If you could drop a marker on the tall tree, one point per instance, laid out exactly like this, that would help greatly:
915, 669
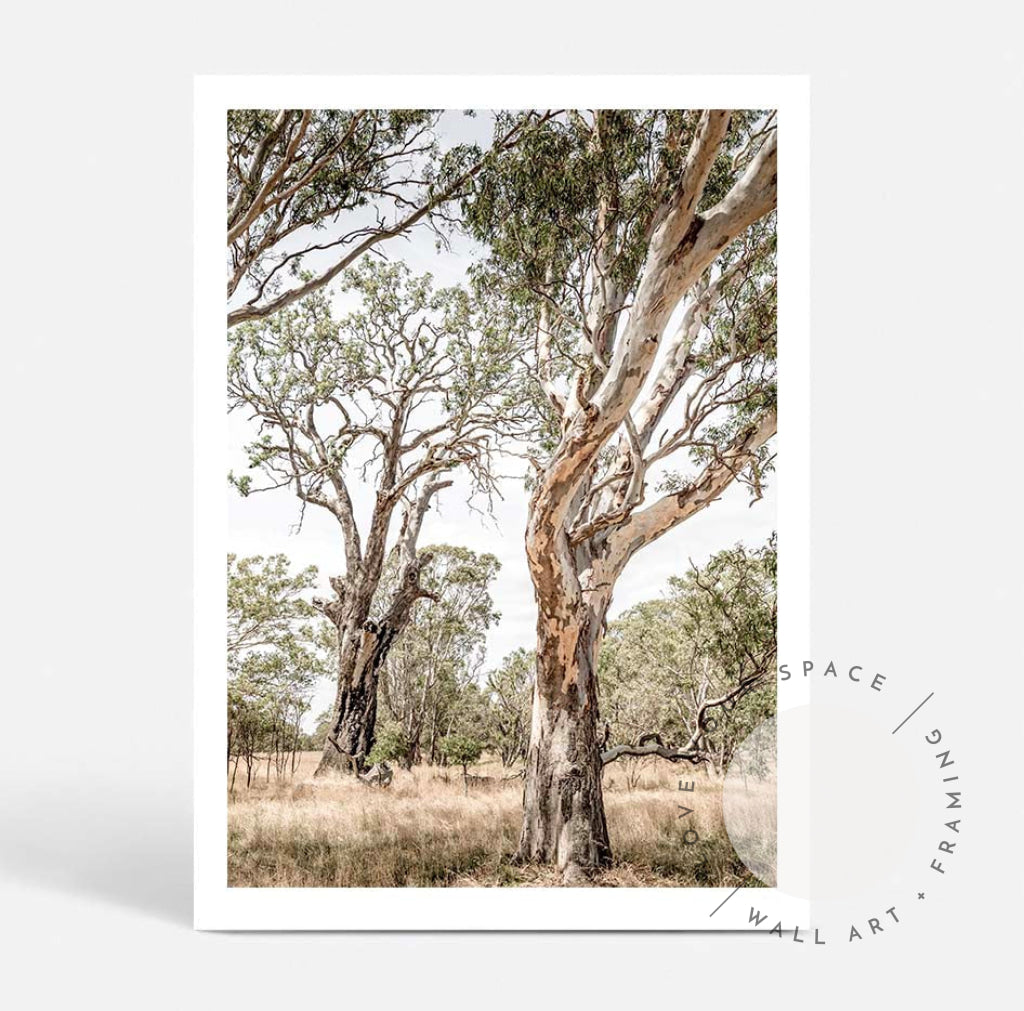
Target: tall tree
311, 190
606, 228
394, 396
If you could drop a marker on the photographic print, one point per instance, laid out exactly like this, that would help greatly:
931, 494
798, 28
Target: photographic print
500, 473
495, 595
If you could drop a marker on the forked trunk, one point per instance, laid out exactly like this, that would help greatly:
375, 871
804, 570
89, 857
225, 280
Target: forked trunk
563, 817
360, 656
363, 647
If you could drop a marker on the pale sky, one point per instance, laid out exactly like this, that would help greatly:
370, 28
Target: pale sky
265, 523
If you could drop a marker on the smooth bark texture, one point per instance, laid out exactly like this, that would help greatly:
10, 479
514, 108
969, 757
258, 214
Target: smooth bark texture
585, 521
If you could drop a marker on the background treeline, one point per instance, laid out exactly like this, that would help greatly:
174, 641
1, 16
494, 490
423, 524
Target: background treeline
278, 650
665, 664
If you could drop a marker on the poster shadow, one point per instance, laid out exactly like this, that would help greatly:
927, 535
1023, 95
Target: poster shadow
130, 847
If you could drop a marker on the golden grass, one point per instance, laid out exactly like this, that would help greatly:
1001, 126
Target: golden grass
425, 830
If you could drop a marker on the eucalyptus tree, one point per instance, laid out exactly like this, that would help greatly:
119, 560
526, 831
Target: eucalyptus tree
311, 190
442, 647
640, 244
393, 398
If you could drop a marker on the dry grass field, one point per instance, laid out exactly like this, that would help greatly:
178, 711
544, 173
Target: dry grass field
427, 830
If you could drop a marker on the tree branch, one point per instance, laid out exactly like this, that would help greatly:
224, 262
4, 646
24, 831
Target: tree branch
651, 744
641, 528
251, 310
674, 264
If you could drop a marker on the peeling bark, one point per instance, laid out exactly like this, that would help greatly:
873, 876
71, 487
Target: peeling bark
578, 543
352, 736
564, 820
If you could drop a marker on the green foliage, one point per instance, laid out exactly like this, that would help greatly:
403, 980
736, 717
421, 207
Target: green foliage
510, 690
429, 682
714, 630
446, 377
460, 749
730, 606
284, 176
412, 359
324, 724
538, 205
567, 217
277, 651
265, 602
391, 744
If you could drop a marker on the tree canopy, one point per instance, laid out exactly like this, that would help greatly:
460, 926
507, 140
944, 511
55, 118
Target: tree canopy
618, 331
411, 385
310, 191
598, 226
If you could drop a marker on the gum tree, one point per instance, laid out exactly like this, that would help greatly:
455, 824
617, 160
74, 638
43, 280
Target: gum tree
394, 397
641, 245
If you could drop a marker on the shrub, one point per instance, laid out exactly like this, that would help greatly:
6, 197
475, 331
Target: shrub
462, 750
391, 746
